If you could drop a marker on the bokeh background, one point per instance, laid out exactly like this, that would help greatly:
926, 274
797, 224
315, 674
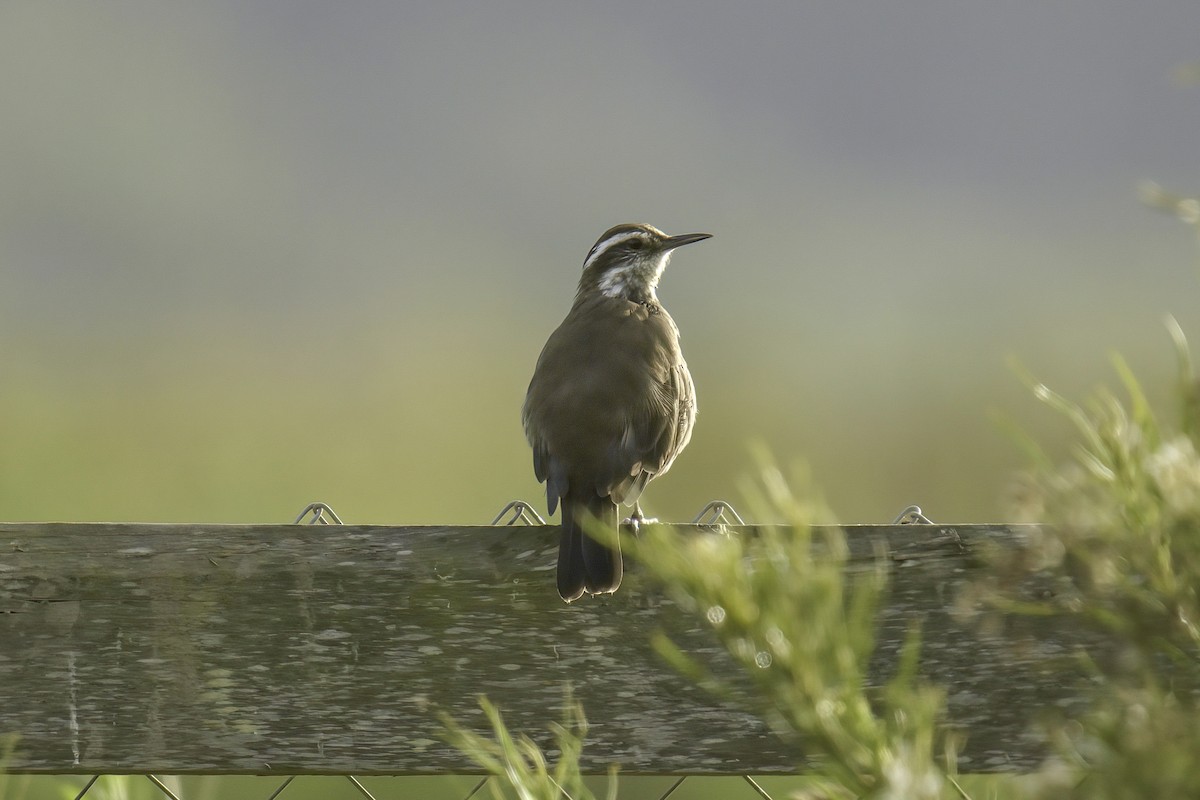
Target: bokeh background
258, 254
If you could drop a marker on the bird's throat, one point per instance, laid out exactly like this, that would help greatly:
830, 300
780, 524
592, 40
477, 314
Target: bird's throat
637, 281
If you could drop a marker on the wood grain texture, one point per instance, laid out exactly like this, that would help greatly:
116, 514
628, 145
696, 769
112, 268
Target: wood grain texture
309, 649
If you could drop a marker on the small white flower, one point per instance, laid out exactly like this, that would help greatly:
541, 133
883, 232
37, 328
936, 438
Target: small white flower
910, 778
1175, 470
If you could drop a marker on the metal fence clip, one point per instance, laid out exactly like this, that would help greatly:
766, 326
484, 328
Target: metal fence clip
718, 512
318, 512
519, 511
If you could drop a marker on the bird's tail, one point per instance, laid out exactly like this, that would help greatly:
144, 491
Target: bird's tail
584, 564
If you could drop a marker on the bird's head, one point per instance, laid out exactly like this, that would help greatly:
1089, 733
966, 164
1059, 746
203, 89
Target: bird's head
627, 261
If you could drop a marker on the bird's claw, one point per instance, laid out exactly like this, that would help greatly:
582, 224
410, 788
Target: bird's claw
637, 520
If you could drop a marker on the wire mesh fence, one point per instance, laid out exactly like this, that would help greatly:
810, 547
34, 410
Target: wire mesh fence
347, 595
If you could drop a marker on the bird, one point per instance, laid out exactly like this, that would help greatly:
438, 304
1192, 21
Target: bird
611, 403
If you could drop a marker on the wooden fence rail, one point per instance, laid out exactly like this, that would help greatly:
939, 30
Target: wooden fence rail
314, 649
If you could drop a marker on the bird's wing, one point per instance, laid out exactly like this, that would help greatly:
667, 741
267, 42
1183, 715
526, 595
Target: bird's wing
655, 433
548, 469
620, 405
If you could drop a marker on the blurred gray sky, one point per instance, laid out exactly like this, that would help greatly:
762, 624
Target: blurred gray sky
901, 194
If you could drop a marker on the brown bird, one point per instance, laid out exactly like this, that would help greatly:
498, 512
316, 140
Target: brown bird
611, 403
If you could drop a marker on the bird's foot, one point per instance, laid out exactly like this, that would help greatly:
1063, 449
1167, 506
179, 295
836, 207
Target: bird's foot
637, 519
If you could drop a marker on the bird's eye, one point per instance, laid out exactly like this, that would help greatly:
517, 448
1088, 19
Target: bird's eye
637, 244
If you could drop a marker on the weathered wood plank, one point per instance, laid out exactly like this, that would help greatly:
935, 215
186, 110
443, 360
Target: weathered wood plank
302, 649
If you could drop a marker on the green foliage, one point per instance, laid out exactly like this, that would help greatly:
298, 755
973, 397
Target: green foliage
802, 626
1122, 536
1125, 519
809, 668
10, 788
520, 764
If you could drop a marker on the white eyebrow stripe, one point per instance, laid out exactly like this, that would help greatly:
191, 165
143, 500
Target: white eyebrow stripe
608, 244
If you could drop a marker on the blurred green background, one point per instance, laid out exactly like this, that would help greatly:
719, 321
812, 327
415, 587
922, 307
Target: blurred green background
258, 254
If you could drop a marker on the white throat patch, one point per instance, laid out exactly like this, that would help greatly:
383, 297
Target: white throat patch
642, 274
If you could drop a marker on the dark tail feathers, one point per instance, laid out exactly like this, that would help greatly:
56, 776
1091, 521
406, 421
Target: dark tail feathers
584, 564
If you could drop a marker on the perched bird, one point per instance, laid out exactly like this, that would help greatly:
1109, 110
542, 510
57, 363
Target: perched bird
611, 403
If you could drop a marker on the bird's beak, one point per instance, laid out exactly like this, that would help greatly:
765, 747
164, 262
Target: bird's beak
671, 242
